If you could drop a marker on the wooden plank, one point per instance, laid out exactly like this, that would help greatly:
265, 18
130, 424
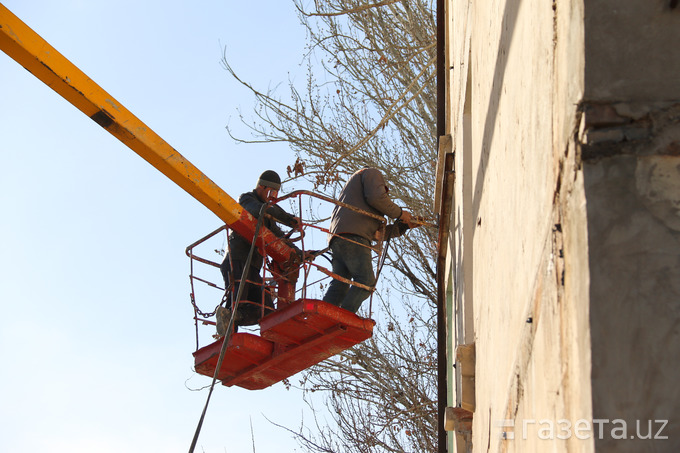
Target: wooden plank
465, 359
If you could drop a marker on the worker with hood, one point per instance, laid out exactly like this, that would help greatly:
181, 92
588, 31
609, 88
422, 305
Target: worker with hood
352, 234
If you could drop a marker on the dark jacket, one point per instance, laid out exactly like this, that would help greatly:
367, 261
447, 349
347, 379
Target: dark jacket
239, 246
365, 189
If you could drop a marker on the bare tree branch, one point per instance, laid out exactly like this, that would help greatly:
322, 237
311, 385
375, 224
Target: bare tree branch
347, 11
369, 100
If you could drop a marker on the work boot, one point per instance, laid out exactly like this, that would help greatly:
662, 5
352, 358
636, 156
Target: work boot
222, 316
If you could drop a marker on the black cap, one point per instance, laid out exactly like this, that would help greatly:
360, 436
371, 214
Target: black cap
270, 179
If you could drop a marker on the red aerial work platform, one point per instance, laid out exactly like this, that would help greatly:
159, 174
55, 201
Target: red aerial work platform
293, 338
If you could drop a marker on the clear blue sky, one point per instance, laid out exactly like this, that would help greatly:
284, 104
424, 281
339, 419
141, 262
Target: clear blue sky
96, 330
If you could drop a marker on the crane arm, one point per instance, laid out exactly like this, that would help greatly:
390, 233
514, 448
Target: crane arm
42, 60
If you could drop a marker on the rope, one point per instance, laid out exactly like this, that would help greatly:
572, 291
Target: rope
227, 336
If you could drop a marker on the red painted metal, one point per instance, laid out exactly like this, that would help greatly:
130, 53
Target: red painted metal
245, 351
306, 318
280, 252
294, 338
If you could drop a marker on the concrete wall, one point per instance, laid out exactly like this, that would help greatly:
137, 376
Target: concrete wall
633, 203
519, 230
632, 50
564, 250
631, 162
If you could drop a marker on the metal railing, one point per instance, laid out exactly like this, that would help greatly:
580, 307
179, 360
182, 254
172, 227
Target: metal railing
269, 275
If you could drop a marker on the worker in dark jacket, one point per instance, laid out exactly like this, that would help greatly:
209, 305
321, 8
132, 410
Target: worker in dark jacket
253, 295
352, 233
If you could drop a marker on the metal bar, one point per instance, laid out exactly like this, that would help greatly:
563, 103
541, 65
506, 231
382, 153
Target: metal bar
311, 284
344, 280
204, 261
204, 238
331, 200
418, 220
214, 285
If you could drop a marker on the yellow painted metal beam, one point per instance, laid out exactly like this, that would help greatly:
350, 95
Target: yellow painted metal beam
35, 54
31, 51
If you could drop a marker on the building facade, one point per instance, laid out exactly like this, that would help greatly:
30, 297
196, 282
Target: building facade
562, 258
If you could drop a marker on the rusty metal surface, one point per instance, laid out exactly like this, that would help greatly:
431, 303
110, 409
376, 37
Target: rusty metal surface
333, 201
303, 334
303, 331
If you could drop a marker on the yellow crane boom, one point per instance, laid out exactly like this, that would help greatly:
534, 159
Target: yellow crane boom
295, 336
42, 60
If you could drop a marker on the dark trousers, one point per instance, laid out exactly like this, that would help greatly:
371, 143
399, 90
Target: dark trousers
255, 301
353, 262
